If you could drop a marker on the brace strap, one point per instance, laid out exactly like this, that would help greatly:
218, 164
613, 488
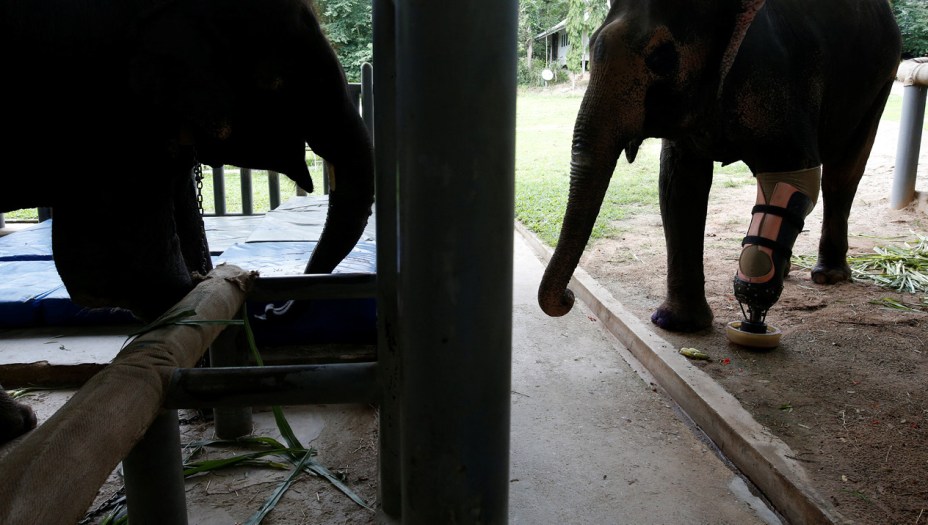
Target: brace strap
767, 243
795, 219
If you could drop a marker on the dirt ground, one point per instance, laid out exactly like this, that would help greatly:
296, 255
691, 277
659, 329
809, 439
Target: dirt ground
848, 386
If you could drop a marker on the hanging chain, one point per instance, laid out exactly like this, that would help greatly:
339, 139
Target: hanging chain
205, 262
198, 177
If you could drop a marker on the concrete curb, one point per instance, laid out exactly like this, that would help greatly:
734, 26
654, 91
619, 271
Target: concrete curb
761, 456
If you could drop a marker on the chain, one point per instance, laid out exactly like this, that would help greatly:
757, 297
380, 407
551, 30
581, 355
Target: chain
198, 176
205, 263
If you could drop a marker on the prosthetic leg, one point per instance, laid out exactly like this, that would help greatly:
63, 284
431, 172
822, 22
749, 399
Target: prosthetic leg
784, 200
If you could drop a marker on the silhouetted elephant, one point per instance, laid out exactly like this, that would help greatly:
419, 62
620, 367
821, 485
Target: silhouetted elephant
115, 103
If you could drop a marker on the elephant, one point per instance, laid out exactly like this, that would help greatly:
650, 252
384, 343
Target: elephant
793, 89
117, 102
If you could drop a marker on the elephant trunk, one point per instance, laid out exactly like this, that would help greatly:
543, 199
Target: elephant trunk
593, 159
351, 196
597, 144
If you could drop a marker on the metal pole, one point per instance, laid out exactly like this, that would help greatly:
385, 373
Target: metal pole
273, 186
909, 145
247, 201
456, 175
384, 109
154, 475
44, 214
2, 223
367, 96
229, 350
219, 190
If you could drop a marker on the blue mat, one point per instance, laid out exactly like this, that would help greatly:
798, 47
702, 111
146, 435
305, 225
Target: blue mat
32, 294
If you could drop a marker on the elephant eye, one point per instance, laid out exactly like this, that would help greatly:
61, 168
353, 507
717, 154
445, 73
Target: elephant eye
664, 60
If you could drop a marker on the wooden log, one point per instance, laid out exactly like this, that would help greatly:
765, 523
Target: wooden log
53, 473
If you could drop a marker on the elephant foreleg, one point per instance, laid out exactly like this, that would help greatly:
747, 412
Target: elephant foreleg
685, 179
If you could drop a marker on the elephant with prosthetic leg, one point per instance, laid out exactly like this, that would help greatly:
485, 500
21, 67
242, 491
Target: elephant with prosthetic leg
794, 89
119, 100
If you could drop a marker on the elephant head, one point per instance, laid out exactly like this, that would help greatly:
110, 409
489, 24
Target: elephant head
250, 83
657, 67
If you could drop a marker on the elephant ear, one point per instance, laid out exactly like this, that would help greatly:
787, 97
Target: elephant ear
173, 70
746, 12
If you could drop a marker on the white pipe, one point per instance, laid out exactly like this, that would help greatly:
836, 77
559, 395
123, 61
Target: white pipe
913, 72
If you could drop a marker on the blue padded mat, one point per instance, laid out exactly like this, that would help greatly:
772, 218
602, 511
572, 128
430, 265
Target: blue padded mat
32, 294
314, 321
31, 244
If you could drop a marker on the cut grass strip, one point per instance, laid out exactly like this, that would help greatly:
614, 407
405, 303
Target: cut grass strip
901, 267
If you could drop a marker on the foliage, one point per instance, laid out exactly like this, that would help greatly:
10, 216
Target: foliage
912, 16
535, 16
347, 24
583, 18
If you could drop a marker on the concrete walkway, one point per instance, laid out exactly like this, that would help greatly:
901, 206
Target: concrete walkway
593, 441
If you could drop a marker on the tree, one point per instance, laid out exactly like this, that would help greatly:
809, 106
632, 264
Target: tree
583, 17
347, 24
912, 16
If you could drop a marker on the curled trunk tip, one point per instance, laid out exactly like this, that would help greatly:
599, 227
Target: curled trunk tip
555, 304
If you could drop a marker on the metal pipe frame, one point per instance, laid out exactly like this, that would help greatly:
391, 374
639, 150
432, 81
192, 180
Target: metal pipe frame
229, 350
273, 188
219, 190
248, 207
383, 14
456, 164
274, 385
909, 145
154, 475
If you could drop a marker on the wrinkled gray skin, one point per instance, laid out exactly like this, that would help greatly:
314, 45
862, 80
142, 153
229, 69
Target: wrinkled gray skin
806, 88
115, 101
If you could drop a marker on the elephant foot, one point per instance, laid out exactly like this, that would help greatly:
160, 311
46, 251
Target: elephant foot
822, 274
675, 317
15, 418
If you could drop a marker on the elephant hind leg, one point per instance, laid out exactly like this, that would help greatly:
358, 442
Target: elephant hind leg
840, 178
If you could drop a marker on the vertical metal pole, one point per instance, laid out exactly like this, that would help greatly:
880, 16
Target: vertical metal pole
154, 475
44, 214
219, 190
367, 96
908, 146
325, 177
247, 201
2, 222
384, 109
456, 178
273, 187
228, 349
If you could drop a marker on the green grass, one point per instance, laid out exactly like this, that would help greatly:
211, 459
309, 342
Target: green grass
544, 128
893, 110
